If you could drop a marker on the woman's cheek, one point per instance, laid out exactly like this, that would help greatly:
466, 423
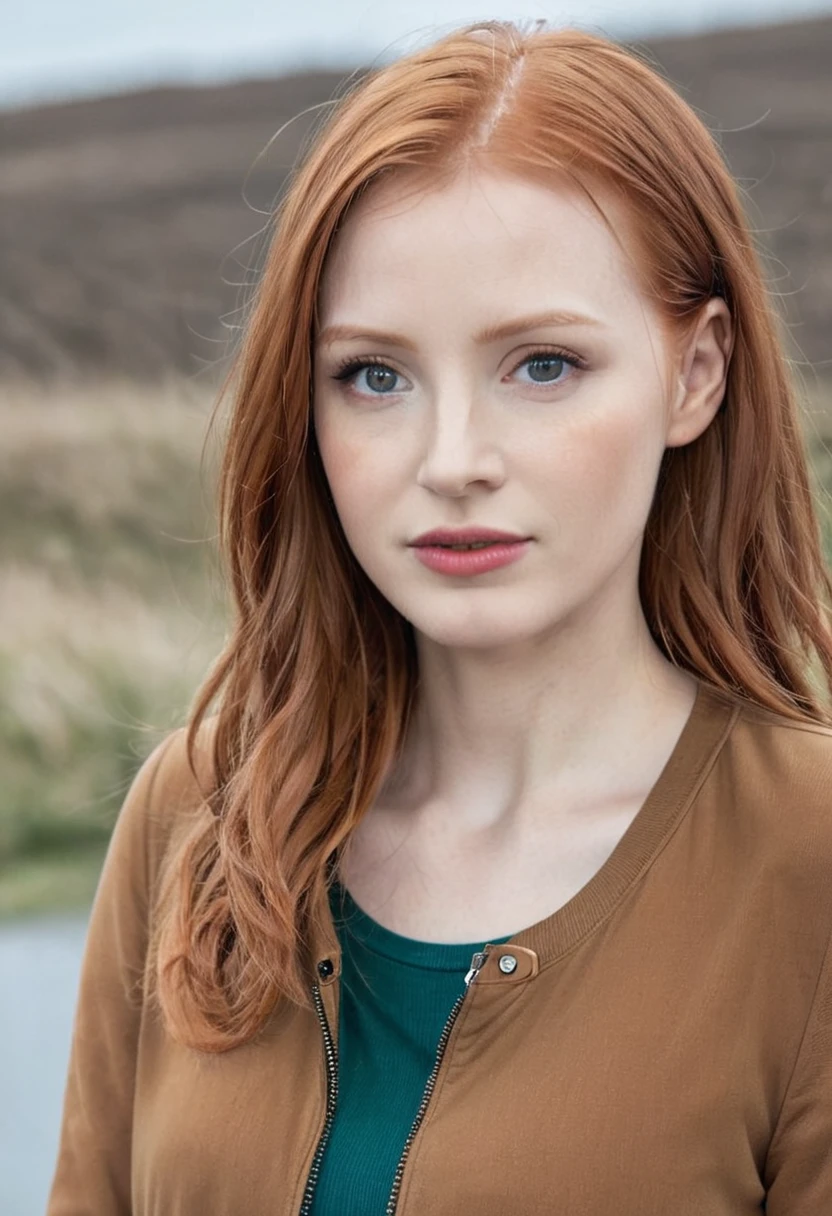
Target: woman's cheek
363, 495
612, 472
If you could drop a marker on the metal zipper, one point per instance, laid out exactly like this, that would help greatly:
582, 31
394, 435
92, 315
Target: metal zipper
476, 965
331, 1097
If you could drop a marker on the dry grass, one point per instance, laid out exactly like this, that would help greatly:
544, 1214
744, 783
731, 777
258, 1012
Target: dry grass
110, 614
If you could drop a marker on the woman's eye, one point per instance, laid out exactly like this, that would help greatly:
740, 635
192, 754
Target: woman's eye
546, 367
378, 381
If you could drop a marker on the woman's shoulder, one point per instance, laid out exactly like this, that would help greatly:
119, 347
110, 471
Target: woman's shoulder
773, 782
790, 755
166, 796
168, 771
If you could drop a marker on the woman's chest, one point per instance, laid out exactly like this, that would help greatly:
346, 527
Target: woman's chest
595, 1086
632, 1102
435, 884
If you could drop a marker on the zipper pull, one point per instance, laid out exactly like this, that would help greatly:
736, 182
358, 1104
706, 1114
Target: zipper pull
476, 966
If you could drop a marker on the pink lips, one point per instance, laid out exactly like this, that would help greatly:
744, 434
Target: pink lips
471, 561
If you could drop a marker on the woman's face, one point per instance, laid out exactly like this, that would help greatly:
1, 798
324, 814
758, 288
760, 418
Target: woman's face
553, 431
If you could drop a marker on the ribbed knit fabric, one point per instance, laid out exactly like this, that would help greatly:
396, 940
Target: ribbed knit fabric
396, 995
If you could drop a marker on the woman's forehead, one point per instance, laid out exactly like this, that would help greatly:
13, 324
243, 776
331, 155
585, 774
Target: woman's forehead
479, 235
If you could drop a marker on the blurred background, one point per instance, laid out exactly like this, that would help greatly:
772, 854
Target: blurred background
142, 148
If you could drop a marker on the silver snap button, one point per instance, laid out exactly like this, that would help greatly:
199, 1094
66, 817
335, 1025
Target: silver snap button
507, 963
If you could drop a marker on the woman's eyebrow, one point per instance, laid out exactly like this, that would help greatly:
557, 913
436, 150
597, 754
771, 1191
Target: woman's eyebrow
492, 333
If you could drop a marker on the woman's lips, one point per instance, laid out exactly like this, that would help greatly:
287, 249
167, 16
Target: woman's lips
470, 561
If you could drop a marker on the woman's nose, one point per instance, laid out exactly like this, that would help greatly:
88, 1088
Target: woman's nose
458, 450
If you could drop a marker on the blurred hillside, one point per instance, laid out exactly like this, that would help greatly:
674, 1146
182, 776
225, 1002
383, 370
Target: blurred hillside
125, 237
122, 220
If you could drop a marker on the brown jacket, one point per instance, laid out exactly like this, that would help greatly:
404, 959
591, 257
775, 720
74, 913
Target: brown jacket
663, 1046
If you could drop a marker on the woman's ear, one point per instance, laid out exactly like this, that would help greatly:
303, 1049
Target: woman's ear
701, 382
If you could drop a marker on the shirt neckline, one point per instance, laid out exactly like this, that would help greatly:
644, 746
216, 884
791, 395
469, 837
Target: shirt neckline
702, 737
705, 731
368, 934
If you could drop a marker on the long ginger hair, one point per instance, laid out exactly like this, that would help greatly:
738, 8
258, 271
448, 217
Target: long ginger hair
314, 688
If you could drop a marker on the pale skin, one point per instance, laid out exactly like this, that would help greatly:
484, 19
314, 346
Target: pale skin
546, 712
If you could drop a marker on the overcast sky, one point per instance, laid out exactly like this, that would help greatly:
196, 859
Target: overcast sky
59, 48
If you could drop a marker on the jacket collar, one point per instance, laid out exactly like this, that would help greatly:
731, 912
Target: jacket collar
537, 945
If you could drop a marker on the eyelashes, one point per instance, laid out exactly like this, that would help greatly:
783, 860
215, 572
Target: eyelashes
349, 369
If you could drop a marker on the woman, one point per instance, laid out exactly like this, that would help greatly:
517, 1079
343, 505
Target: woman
499, 879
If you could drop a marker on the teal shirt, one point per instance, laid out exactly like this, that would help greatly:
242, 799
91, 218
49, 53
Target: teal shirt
396, 995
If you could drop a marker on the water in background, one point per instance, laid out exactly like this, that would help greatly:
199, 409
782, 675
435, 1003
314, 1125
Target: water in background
53, 50
39, 962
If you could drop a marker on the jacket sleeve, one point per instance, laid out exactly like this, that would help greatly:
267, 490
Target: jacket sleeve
92, 1174
799, 1164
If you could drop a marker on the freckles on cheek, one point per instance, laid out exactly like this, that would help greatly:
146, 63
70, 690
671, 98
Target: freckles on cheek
612, 474
339, 462
632, 487
339, 454
355, 480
